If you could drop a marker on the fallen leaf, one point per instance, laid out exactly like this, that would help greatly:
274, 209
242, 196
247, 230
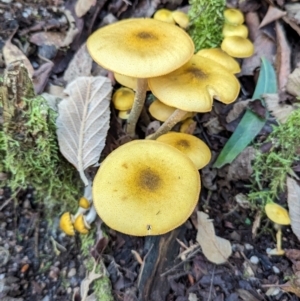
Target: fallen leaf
263, 45
41, 76
280, 111
293, 199
293, 83
293, 10
213, 126
238, 108
283, 56
241, 167
83, 6
12, 53
72, 31
54, 38
215, 248
83, 121
81, 65
272, 15
292, 254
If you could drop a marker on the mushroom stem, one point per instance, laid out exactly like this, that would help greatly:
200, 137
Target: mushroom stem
91, 216
279, 240
138, 104
168, 124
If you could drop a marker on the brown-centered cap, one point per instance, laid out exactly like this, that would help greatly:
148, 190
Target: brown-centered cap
190, 145
140, 48
193, 86
221, 57
141, 188
237, 47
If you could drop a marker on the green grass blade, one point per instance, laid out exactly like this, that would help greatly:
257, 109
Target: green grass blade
251, 124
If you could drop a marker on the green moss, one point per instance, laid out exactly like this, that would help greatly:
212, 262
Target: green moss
270, 169
206, 23
30, 154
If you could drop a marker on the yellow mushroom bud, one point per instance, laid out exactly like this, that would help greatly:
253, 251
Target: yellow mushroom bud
181, 19
230, 30
66, 224
80, 225
123, 99
233, 16
164, 15
84, 203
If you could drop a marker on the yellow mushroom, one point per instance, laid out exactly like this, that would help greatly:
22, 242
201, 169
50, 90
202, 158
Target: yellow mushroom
123, 99
141, 188
192, 87
279, 216
82, 223
221, 57
237, 47
124, 114
140, 48
233, 16
235, 30
164, 15
66, 224
187, 125
181, 19
162, 112
190, 145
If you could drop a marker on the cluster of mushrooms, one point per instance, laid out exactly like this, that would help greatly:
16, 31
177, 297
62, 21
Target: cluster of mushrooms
151, 186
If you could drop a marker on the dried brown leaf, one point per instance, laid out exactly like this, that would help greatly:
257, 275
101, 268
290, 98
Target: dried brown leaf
83, 6
272, 15
83, 121
81, 65
293, 12
238, 108
215, 248
12, 53
280, 111
54, 38
293, 83
293, 199
283, 56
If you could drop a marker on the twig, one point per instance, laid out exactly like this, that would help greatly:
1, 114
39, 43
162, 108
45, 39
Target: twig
211, 283
11, 198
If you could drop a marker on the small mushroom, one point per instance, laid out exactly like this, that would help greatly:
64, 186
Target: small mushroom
192, 87
233, 16
82, 223
164, 15
235, 30
162, 112
181, 19
140, 48
190, 145
221, 57
123, 99
124, 114
141, 188
66, 224
279, 216
237, 47
187, 125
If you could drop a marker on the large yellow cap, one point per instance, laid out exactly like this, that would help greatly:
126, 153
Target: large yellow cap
190, 145
140, 48
146, 187
193, 86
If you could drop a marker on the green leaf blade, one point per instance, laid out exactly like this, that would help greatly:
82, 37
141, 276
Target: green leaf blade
251, 124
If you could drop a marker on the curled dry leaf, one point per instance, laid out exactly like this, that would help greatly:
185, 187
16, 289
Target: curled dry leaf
238, 108
12, 53
81, 65
83, 6
280, 111
293, 199
272, 15
293, 83
215, 248
83, 121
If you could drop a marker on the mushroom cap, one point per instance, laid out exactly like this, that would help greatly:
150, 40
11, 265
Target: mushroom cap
221, 57
235, 30
233, 16
237, 46
141, 188
164, 15
80, 225
193, 86
181, 18
140, 48
124, 114
190, 145
187, 125
162, 112
127, 81
277, 214
84, 203
123, 99
66, 224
